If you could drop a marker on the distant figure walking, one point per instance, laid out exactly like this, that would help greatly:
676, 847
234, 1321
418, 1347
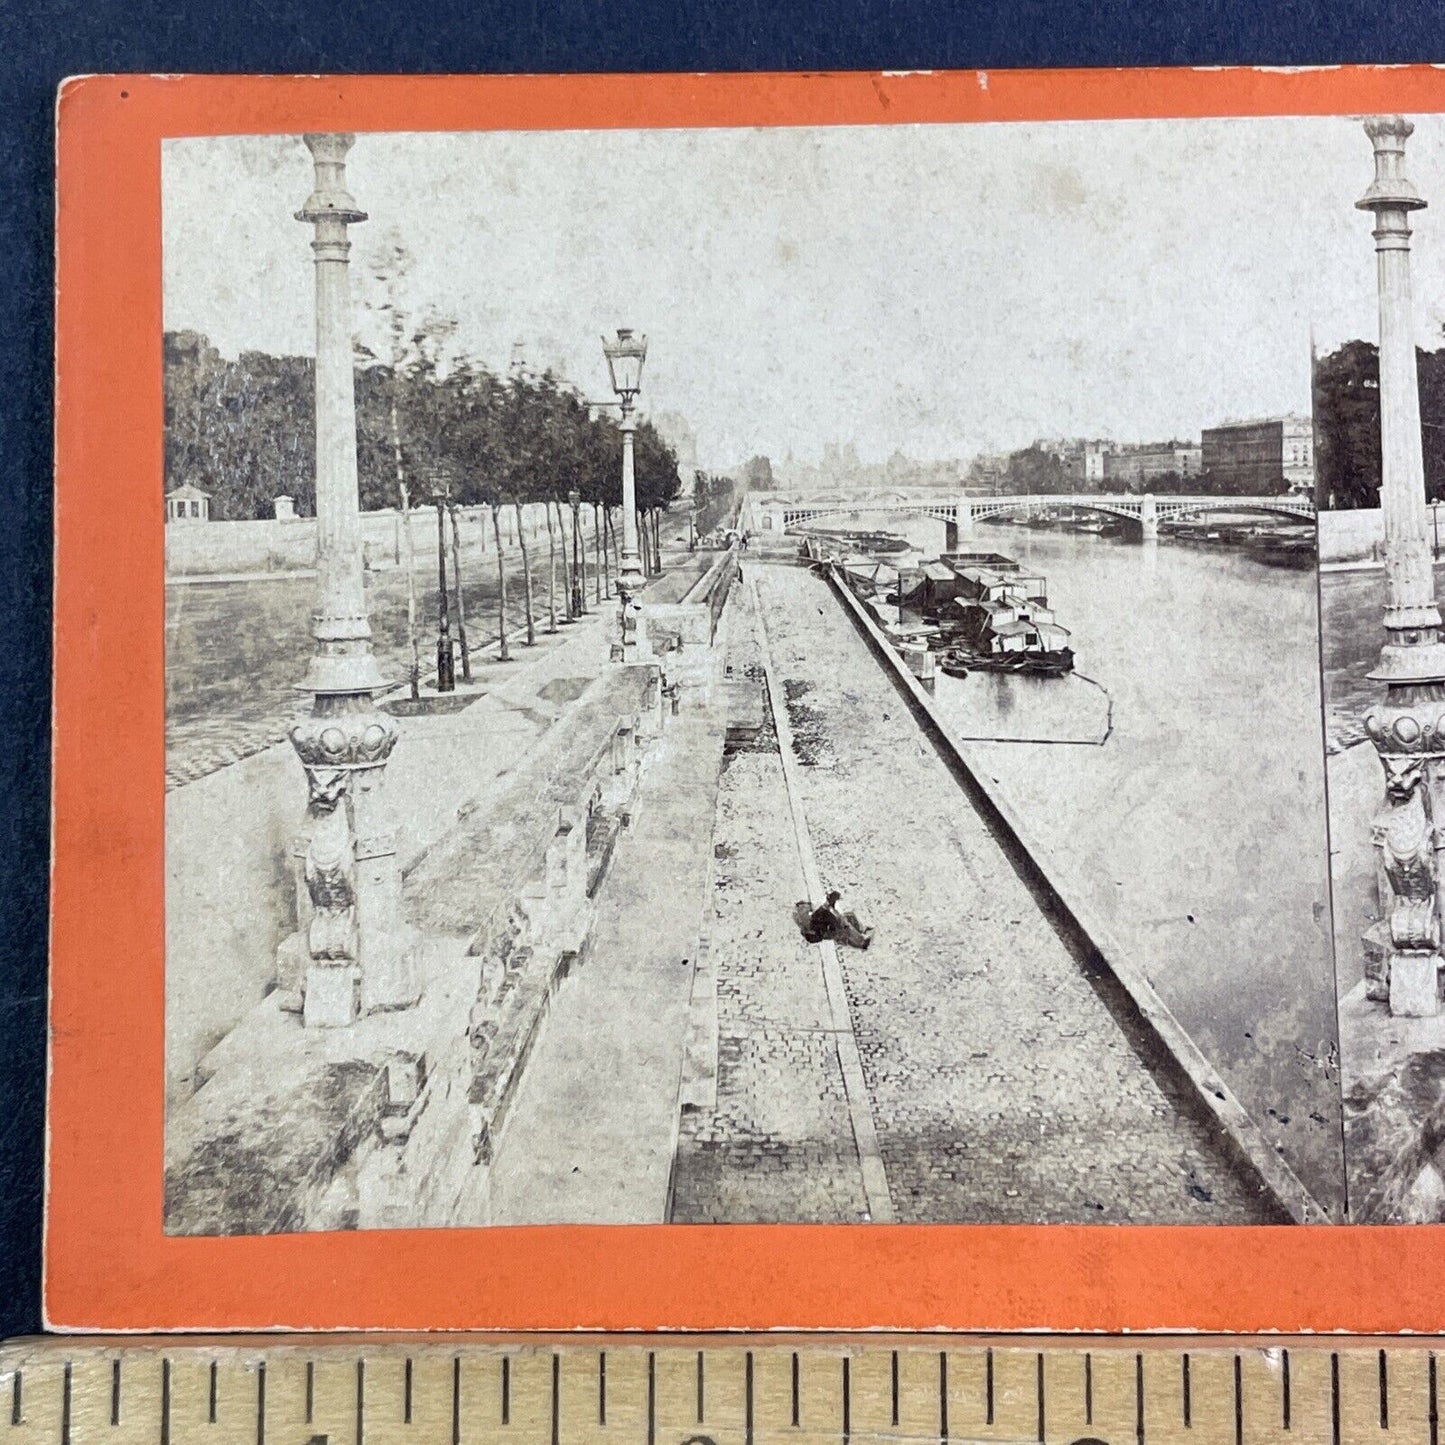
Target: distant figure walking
828, 921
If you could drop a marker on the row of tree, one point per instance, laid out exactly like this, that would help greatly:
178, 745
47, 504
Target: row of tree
243, 431
1347, 424
432, 428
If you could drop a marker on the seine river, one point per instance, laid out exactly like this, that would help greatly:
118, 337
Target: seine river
1196, 828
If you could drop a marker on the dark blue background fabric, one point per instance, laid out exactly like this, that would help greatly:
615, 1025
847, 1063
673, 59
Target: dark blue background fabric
46, 40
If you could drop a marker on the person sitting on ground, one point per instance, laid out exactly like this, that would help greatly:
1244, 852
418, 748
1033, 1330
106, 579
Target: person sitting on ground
829, 921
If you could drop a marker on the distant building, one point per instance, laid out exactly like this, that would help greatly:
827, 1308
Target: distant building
1261, 457
188, 504
1083, 459
1133, 468
674, 429
987, 476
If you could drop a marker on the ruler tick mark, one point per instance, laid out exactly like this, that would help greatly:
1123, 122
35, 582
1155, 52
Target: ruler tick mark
1284, 1386
987, 1389
943, 1397
310, 1389
456, 1400
1238, 1402
1042, 1417
1434, 1404
17, 1414
847, 1399
1139, 1398
211, 1393
406, 1393
895, 1387
651, 1398
796, 1401
556, 1396
261, 1403
1335, 1398
701, 1396
1088, 1388
360, 1402
601, 1387
748, 1398
1384, 1392
1184, 1383
115, 1392
65, 1407
506, 1388
165, 1402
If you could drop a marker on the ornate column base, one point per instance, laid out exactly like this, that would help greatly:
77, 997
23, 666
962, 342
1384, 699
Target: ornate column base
330, 1000
1415, 985
1402, 952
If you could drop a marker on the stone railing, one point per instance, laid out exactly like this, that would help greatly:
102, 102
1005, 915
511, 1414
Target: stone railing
392, 1121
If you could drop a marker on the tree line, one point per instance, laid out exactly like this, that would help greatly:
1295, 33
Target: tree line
1347, 424
435, 428
243, 430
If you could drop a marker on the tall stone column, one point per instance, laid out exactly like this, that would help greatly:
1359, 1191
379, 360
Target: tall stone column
631, 579
1407, 727
353, 953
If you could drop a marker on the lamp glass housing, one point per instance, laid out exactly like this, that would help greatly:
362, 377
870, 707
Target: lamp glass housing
624, 361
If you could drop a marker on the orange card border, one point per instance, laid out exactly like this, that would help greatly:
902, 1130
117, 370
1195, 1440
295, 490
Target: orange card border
108, 1266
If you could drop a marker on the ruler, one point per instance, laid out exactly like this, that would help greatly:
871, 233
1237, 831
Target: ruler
715, 1390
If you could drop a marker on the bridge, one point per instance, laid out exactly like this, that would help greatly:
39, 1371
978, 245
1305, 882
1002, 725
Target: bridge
775, 513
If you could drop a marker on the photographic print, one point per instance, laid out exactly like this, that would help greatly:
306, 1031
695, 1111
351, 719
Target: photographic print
1377, 390
754, 675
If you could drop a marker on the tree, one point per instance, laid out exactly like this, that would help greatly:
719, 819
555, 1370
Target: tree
1034, 471
475, 440
657, 483
1347, 421
1347, 424
407, 352
243, 430
758, 475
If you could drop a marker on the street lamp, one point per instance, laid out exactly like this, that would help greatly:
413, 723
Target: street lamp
624, 362
355, 954
579, 596
1403, 952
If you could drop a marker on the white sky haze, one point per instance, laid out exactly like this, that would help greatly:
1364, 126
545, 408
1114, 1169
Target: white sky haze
939, 290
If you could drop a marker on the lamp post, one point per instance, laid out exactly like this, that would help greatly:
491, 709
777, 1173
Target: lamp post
579, 595
624, 363
1407, 726
353, 953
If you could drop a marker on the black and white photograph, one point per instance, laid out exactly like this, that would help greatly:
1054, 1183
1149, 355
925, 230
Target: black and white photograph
1379, 404
775, 676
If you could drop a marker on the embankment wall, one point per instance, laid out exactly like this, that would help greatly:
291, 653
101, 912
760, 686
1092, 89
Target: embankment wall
1092, 939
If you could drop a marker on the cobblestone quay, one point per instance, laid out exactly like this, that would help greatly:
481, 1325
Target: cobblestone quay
1002, 1087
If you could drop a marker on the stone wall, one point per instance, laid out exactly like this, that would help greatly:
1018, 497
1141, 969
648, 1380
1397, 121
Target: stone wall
230, 890
391, 1122
1358, 536
275, 545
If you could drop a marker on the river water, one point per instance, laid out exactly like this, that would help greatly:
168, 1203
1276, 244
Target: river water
1180, 789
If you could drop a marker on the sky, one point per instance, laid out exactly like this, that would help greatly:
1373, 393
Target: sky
939, 290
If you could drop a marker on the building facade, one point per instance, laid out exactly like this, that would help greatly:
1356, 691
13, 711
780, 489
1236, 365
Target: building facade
1134, 468
1261, 457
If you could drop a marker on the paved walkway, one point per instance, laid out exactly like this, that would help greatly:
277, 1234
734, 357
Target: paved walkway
591, 1134
775, 1142
1001, 1086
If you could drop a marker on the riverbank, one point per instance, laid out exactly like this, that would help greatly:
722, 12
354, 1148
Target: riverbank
1000, 1085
